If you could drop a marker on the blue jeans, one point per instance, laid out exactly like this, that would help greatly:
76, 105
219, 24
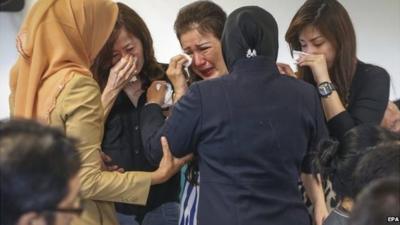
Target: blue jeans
165, 214
124, 219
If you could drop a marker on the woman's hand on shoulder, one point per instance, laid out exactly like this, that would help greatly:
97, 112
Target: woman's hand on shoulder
285, 69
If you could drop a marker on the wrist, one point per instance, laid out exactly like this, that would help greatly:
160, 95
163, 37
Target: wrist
179, 81
156, 177
323, 80
180, 90
321, 74
112, 90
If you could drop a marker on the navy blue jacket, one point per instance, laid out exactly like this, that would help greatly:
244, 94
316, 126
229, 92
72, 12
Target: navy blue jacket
255, 132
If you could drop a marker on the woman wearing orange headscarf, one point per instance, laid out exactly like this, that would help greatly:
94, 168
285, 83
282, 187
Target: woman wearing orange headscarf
52, 83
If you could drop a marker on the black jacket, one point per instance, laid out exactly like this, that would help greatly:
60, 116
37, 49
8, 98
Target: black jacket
122, 142
255, 131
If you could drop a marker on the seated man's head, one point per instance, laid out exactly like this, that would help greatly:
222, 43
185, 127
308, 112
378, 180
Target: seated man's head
378, 203
38, 170
381, 162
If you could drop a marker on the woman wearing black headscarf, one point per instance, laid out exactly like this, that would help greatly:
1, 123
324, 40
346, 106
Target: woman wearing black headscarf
254, 130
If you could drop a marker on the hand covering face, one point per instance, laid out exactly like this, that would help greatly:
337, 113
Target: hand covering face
56, 36
249, 31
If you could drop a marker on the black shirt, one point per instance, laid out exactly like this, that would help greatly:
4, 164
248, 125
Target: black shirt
368, 99
122, 142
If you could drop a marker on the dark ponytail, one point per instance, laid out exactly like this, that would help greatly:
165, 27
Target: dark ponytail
325, 162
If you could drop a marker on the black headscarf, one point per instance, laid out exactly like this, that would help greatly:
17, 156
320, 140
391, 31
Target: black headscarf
249, 31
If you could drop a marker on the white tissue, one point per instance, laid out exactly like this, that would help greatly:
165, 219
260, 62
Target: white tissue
168, 101
186, 65
297, 54
158, 86
189, 60
133, 79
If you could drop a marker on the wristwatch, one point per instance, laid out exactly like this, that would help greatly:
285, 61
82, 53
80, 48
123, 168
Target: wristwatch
325, 89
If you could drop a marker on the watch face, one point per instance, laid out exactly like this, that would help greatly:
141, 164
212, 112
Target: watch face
325, 89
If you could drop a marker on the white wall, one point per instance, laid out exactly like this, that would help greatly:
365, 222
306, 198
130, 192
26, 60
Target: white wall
377, 25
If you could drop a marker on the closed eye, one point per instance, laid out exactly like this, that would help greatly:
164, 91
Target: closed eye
189, 53
115, 57
203, 48
302, 44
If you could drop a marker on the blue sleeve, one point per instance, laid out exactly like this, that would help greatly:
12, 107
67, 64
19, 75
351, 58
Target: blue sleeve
181, 128
319, 133
151, 120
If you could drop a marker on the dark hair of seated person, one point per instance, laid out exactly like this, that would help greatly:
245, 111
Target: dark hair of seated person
36, 164
337, 161
383, 161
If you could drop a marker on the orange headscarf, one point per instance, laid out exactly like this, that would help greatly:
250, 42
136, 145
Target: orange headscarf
57, 36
